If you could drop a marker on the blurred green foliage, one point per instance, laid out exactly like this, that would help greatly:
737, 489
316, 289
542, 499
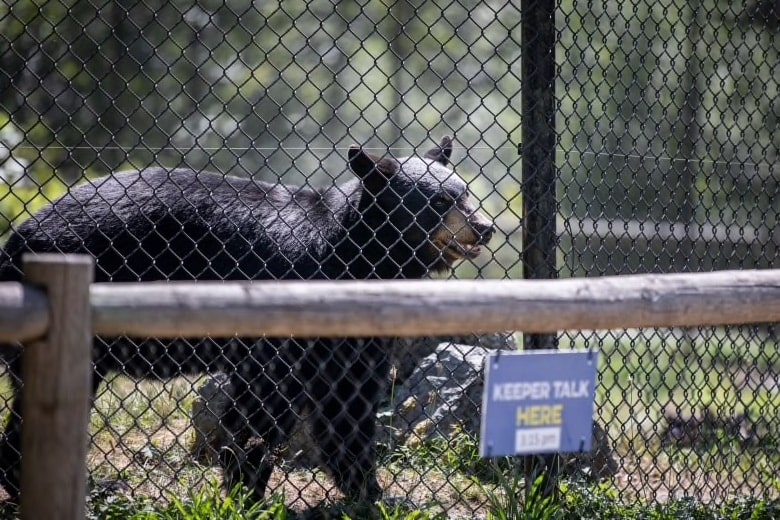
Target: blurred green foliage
17, 203
668, 112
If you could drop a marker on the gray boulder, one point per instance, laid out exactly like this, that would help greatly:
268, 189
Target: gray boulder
407, 352
207, 409
443, 392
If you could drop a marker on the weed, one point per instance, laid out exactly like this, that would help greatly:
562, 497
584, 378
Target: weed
205, 504
458, 454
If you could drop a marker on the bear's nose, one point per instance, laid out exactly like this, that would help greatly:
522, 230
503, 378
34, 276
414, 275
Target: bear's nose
483, 226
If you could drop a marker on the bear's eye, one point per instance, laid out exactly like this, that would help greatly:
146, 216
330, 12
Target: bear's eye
441, 203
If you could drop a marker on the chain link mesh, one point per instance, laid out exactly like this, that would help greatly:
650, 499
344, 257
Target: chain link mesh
667, 125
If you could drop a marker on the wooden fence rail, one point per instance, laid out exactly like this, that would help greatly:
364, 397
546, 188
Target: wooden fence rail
57, 312
423, 307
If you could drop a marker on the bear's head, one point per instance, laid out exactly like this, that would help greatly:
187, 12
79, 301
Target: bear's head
419, 208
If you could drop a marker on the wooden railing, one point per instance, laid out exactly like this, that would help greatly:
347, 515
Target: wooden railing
57, 310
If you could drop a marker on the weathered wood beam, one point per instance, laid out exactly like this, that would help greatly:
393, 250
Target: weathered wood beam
428, 307
24, 312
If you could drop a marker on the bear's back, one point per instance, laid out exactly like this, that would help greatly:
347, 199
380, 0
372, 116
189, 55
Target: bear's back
179, 225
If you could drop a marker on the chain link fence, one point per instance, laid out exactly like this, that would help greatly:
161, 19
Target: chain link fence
666, 160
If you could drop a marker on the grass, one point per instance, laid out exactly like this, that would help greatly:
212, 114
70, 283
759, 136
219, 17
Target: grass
205, 504
502, 498
141, 438
507, 501
458, 455
602, 502
641, 371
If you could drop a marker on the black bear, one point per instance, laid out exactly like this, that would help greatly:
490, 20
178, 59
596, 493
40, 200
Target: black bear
399, 218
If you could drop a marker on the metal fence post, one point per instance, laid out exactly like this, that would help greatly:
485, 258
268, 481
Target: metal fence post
57, 378
539, 179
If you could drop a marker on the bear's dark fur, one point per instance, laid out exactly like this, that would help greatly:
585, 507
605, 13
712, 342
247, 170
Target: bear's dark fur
400, 218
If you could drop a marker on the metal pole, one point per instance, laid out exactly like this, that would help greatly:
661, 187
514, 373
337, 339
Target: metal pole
540, 204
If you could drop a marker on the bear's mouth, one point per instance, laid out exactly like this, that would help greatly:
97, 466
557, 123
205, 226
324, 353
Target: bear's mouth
454, 250
464, 250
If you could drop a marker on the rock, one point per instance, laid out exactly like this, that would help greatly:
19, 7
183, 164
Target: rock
408, 352
442, 393
690, 428
207, 409
597, 464
683, 427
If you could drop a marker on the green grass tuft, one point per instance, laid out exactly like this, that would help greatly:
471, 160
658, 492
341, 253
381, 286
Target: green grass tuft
205, 504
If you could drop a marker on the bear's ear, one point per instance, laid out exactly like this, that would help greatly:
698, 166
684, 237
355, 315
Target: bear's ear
360, 162
365, 164
442, 153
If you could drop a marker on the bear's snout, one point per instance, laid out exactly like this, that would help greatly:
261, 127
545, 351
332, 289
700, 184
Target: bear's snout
462, 233
483, 227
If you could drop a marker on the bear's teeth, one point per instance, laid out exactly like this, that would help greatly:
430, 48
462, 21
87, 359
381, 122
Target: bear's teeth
473, 251
465, 251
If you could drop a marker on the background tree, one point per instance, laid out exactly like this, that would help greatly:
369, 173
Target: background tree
666, 116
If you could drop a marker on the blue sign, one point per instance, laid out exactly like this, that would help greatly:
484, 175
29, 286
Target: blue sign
538, 401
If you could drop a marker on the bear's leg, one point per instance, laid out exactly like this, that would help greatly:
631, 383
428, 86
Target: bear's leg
266, 399
345, 394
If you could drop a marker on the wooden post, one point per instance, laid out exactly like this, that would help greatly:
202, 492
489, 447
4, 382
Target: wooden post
57, 378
